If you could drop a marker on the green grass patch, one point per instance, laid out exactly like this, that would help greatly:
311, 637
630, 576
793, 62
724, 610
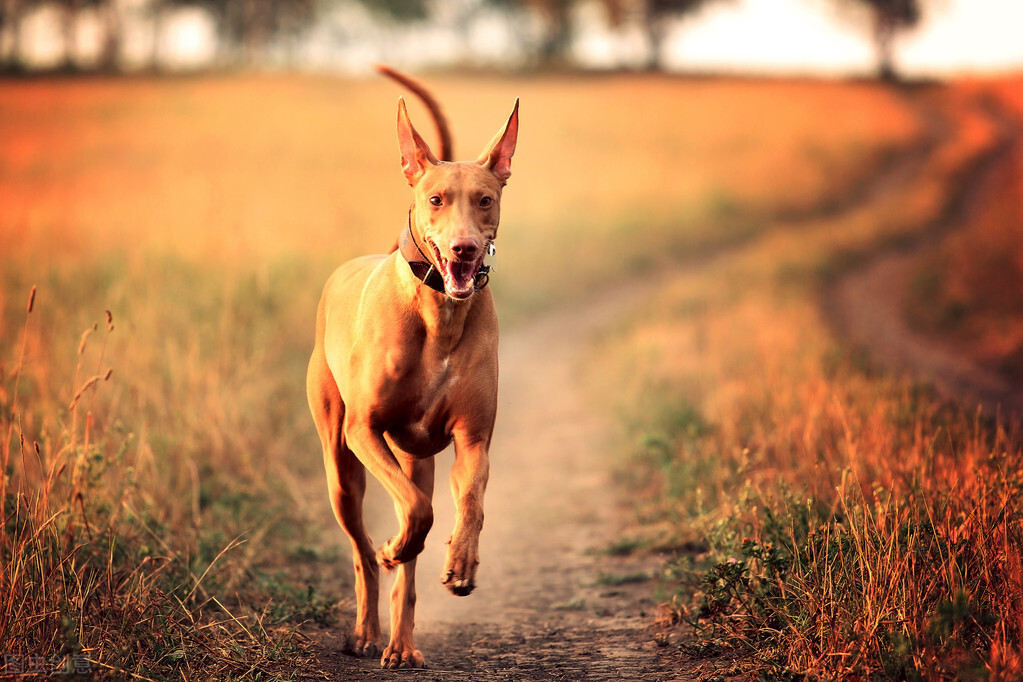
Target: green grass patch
617, 579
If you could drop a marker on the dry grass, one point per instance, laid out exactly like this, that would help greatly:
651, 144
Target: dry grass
166, 519
101, 578
855, 526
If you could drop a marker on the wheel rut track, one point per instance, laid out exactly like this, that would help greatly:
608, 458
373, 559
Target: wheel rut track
866, 305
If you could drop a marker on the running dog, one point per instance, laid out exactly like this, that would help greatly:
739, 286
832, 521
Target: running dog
404, 363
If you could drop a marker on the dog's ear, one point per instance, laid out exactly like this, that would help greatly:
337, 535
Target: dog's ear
498, 154
415, 153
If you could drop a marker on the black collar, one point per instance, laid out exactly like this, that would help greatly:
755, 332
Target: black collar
424, 270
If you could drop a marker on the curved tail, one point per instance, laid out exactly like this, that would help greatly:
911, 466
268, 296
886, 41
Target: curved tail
444, 151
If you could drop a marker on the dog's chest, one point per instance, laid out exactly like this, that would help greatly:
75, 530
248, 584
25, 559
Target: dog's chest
419, 414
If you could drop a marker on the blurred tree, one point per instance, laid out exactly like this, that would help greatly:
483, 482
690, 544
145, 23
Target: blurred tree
248, 27
655, 16
888, 17
12, 12
406, 10
652, 15
555, 15
113, 25
10, 32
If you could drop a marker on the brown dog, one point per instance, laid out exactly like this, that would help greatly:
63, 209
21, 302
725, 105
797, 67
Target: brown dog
405, 362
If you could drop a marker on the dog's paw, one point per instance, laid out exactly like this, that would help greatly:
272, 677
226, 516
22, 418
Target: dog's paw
363, 646
460, 573
366, 649
399, 656
460, 587
386, 558
392, 553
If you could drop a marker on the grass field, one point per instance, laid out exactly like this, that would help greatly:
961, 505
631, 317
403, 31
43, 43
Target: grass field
830, 519
156, 497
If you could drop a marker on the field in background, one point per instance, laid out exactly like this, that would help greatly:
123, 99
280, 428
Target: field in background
168, 519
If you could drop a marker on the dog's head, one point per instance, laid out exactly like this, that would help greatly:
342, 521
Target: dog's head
457, 206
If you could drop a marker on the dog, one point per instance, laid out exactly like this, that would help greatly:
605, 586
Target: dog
404, 363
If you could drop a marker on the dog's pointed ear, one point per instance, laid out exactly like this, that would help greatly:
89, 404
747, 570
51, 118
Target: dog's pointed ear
415, 153
498, 154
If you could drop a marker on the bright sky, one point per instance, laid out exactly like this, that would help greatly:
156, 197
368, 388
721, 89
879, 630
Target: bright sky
811, 36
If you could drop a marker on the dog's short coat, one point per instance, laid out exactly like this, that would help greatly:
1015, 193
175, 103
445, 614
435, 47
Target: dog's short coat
401, 369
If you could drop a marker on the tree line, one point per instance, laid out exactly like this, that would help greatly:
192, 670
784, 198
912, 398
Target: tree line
246, 28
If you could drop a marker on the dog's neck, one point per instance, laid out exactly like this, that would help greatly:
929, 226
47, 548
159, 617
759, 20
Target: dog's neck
419, 263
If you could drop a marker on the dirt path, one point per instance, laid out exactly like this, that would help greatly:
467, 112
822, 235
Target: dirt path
549, 604
867, 306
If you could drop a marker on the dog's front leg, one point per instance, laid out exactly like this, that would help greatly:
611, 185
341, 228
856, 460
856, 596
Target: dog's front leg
401, 651
414, 509
469, 476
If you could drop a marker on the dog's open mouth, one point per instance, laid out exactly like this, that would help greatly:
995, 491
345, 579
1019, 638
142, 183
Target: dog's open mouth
459, 275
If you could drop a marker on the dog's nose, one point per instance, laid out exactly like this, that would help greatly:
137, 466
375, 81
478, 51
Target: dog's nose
465, 249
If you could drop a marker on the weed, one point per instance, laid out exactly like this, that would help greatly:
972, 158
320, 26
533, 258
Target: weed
570, 605
908, 583
623, 547
616, 579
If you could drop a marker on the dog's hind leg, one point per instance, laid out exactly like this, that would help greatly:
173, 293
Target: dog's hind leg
346, 486
401, 651
346, 482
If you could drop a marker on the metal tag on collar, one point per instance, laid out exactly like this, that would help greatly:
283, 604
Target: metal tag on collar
491, 253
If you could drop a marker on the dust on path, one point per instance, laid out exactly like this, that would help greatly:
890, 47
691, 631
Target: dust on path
548, 604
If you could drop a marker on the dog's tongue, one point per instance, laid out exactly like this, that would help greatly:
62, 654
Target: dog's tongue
460, 277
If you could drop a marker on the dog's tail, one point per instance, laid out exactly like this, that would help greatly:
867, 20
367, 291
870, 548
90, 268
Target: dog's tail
444, 151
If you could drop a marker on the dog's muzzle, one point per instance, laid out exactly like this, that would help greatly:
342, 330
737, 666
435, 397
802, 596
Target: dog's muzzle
457, 279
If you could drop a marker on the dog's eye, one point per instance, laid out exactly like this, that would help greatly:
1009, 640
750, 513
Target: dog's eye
486, 201
436, 200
